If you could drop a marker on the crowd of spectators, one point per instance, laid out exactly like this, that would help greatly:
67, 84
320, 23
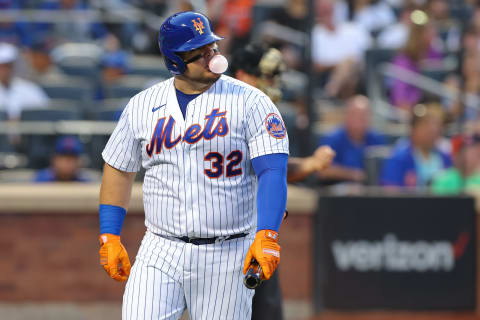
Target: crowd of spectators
88, 57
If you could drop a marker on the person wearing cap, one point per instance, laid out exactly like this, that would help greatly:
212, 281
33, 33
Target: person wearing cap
416, 160
261, 66
114, 62
17, 94
65, 164
465, 174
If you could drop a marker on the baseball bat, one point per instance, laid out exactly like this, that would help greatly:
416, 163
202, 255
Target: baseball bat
253, 278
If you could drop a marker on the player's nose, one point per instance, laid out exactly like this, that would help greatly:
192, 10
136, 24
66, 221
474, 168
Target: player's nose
210, 53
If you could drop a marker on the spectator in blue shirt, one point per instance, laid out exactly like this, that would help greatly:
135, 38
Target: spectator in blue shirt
114, 61
349, 142
65, 163
415, 161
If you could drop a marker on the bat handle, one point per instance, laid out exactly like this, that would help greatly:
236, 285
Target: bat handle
253, 278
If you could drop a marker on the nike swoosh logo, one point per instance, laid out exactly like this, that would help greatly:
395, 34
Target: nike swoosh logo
157, 108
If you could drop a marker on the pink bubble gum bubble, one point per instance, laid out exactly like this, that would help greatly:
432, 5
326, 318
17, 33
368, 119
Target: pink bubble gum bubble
218, 64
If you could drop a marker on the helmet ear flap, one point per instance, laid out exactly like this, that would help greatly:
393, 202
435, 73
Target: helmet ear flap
174, 63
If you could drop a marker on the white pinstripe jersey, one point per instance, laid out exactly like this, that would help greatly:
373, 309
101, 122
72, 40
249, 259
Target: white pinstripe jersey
199, 181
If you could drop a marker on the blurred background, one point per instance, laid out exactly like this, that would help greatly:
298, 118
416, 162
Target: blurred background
389, 231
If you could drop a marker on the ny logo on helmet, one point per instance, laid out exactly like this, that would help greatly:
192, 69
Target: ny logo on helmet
198, 25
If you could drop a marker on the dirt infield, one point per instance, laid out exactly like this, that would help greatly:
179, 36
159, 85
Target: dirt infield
380, 315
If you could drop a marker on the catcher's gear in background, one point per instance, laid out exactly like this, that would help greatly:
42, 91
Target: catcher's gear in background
179, 34
266, 251
114, 257
262, 62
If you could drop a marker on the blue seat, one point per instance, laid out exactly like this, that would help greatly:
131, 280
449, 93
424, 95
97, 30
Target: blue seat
4, 144
121, 91
39, 148
109, 115
80, 70
111, 112
151, 66
261, 13
59, 91
374, 82
49, 115
125, 87
78, 59
151, 71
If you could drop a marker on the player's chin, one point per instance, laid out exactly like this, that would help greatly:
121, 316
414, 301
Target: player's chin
213, 74
210, 77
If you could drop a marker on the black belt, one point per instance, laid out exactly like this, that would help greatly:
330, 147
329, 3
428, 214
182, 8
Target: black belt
199, 241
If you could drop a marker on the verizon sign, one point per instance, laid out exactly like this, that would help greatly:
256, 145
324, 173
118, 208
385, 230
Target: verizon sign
395, 253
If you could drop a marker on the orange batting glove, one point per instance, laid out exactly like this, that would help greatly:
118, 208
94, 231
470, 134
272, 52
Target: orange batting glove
114, 257
266, 251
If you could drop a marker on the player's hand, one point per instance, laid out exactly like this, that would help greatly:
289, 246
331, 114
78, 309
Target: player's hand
114, 257
266, 251
322, 158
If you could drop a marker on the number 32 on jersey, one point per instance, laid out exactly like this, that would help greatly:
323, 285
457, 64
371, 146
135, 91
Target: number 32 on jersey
232, 169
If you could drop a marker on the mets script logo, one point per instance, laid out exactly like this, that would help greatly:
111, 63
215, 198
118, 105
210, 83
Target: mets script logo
198, 24
215, 126
275, 126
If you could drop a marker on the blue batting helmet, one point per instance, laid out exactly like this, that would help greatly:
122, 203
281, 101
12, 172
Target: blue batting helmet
183, 31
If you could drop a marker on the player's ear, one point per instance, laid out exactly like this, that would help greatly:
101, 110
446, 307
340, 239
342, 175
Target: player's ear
240, 75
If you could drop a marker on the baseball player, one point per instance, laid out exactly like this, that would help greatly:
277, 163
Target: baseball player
215, 150
261, 67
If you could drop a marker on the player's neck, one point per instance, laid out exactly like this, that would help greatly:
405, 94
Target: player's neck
188, 86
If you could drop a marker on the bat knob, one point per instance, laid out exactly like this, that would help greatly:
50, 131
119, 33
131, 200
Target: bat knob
253, 277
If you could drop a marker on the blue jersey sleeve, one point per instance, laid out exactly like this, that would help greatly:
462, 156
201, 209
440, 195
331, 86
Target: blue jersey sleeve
271, 170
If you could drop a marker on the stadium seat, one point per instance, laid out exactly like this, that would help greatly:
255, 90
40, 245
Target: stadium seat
146, 65
39, 148
374, 159
109, 115
80, 67
78, 59
374, 81
261, 13
64, 104
49, 115
4, 144
110, 110
289, 118
70, 89
125, 87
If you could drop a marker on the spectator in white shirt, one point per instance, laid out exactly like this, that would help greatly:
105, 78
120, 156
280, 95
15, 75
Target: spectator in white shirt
17, 94
395, 36
337, 51
373, 15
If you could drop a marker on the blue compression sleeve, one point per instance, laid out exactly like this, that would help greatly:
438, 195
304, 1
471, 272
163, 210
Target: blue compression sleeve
111, 219
271, 170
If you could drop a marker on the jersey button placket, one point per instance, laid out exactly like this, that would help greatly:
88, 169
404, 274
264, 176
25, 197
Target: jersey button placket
187, 171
